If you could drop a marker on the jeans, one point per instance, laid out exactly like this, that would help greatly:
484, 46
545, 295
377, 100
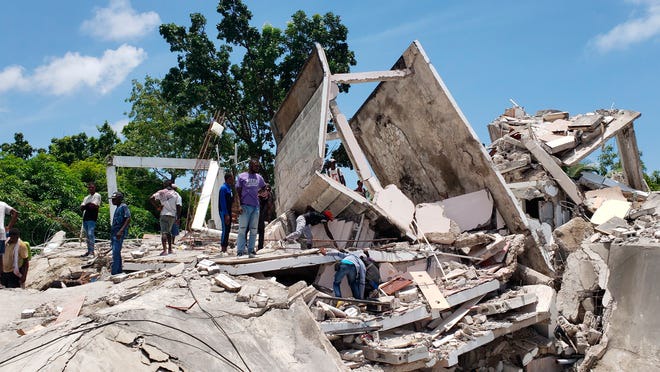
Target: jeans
248, 219
89, 227
226, 228
350, 272
302, 228
116, 254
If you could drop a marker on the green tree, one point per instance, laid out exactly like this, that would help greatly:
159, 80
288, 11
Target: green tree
20, 148
248, 93
71, 148
106, 142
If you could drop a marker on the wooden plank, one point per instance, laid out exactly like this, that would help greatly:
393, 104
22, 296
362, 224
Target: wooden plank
621, 120
430, 290
70, 310
369, 77
441, 326
555, 170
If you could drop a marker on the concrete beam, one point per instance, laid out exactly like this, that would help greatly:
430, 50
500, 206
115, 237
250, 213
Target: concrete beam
622, 119
161, 163
629, 154
369, 77
565, 182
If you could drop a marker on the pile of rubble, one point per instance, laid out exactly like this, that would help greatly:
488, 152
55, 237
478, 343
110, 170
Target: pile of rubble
491, 258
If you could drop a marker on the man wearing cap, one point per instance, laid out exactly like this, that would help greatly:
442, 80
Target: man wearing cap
334, 172
16, 254
119, 230
168, 202
4, 210
90, 208
247, 188
308, 219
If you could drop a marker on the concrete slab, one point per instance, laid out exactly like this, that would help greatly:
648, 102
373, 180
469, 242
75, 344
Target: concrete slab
415, 122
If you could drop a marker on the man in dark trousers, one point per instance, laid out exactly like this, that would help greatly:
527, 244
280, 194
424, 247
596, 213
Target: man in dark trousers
265, 207
308, 219
90, 209
16, 254
118, 230
352, 267
225, 203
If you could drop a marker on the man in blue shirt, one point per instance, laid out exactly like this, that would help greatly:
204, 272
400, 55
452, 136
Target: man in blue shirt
119, 230
351, 267
226, 200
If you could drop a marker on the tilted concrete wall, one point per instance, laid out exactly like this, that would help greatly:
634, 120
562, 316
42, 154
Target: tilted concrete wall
415, 137
300, 129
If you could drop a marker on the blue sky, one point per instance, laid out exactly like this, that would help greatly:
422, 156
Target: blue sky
67, 66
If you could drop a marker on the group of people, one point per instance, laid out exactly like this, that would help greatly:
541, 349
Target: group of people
254, 198
118, 230
335, 173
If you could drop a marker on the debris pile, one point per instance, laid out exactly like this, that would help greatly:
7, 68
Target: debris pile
490, 258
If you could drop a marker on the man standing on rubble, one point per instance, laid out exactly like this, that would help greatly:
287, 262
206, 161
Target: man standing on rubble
351, 267
118, 230
226, 201
334, 172
15, 257
6, 209
90, 209
168, 202
247, 188
305, 221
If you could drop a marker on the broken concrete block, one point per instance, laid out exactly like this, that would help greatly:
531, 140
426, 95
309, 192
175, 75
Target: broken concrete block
471, 210
118, 278
27, 313
432, 223
226, 282
408, 295
259, 301
205, 264
155, 354
137, 254
570, 235
399, 209
352, 355
176, 270
246, 293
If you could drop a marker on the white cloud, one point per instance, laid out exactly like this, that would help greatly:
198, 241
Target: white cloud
118, 125
636, 30
120, 22
73, 71
12, 78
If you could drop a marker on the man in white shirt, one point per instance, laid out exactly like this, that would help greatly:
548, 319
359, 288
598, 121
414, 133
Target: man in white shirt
334, 172
4, 210
90, 208
169, 203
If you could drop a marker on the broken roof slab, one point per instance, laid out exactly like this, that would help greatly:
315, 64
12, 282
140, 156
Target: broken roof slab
415, 137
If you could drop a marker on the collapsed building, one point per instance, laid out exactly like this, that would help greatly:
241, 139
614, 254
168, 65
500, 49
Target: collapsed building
492, 257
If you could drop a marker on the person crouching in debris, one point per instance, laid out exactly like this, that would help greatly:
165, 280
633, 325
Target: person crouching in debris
168, 202
119, 230
305, 221
373, 273
15, 257
352, 267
